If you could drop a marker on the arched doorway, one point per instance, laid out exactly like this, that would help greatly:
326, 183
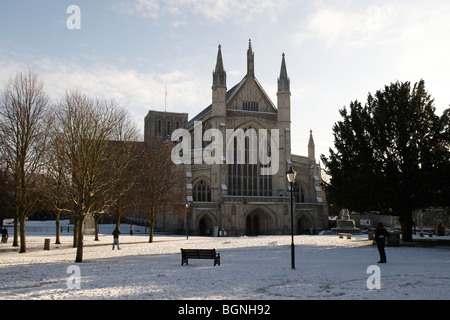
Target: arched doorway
258, 222
205, 226
305, 224
252, 225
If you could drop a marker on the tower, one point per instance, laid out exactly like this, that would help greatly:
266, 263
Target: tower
284, 119
219, 87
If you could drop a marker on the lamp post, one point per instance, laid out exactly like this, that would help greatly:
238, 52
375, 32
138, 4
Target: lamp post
187, 221
291, 178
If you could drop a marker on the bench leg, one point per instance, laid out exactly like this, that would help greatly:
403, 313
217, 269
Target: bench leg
184, 260
217, 260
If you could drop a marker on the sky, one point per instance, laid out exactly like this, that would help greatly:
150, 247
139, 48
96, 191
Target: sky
130, 51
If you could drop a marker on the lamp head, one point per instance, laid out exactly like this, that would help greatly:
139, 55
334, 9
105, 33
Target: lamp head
291, 174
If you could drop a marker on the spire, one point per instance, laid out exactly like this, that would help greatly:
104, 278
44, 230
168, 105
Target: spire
311, 147
283, 80
219, 63
219, 75
250, 60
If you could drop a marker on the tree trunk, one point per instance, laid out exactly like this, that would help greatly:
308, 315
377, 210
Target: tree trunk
118, 215
406, 223
23, 243
58, 241
16, 231
79, 257
151, 227
152, 220
75, 231
96, 227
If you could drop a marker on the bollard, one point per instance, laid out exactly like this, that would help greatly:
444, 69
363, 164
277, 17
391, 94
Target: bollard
47, 244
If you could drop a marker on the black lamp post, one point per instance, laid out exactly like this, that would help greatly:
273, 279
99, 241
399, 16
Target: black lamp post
187, 220
291, 178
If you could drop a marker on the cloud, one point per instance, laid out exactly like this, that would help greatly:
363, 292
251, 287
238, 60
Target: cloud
213, 10
137, 92
143, 8
350, 27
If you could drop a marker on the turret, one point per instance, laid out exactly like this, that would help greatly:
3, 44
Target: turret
219, 74
284, 83
311, 147
250, 60
284, 94
219, 87
284, 116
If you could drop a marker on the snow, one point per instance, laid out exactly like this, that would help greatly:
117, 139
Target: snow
252, 268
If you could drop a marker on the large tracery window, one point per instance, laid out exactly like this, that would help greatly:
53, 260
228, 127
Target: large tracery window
201, 192
246, 179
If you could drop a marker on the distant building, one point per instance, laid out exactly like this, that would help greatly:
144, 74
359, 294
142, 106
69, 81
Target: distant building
237, 198
162, 124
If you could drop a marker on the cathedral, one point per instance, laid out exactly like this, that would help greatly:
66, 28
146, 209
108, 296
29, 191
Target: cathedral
237, 198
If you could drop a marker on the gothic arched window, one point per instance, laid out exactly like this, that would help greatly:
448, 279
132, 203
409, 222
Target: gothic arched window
299, 193
201, 192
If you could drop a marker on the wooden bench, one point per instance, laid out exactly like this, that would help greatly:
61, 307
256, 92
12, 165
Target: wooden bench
341, 235
187, 254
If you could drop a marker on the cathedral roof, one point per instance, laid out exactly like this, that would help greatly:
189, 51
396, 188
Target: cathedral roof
204, 112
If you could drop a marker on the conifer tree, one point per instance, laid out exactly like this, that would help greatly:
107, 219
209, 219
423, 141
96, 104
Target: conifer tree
389, 154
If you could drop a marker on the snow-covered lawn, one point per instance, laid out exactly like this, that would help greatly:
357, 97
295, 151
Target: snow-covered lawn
252, 268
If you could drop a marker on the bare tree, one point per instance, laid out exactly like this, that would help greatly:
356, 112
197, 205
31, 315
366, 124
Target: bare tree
160, 184
23, 138
81, 138
55, 197
126, 152
5, 191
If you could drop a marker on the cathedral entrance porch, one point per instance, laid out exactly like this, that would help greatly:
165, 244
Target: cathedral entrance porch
205, 225
258, 222
305, 224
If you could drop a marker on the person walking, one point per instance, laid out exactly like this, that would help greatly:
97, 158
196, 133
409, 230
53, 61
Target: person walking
380, 238
131, 229
4, 235
115, 234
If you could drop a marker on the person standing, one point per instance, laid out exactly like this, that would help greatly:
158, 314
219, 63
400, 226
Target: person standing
380, 238
115, 234
131, 229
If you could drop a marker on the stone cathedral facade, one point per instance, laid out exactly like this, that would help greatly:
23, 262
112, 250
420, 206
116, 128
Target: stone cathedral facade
234, 198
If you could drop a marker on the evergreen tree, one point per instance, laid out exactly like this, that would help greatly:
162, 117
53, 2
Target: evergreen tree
390, 154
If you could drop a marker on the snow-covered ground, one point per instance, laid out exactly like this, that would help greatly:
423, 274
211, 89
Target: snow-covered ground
252, 268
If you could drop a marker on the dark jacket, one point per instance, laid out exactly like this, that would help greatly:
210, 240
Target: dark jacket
116, 233
380, 236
